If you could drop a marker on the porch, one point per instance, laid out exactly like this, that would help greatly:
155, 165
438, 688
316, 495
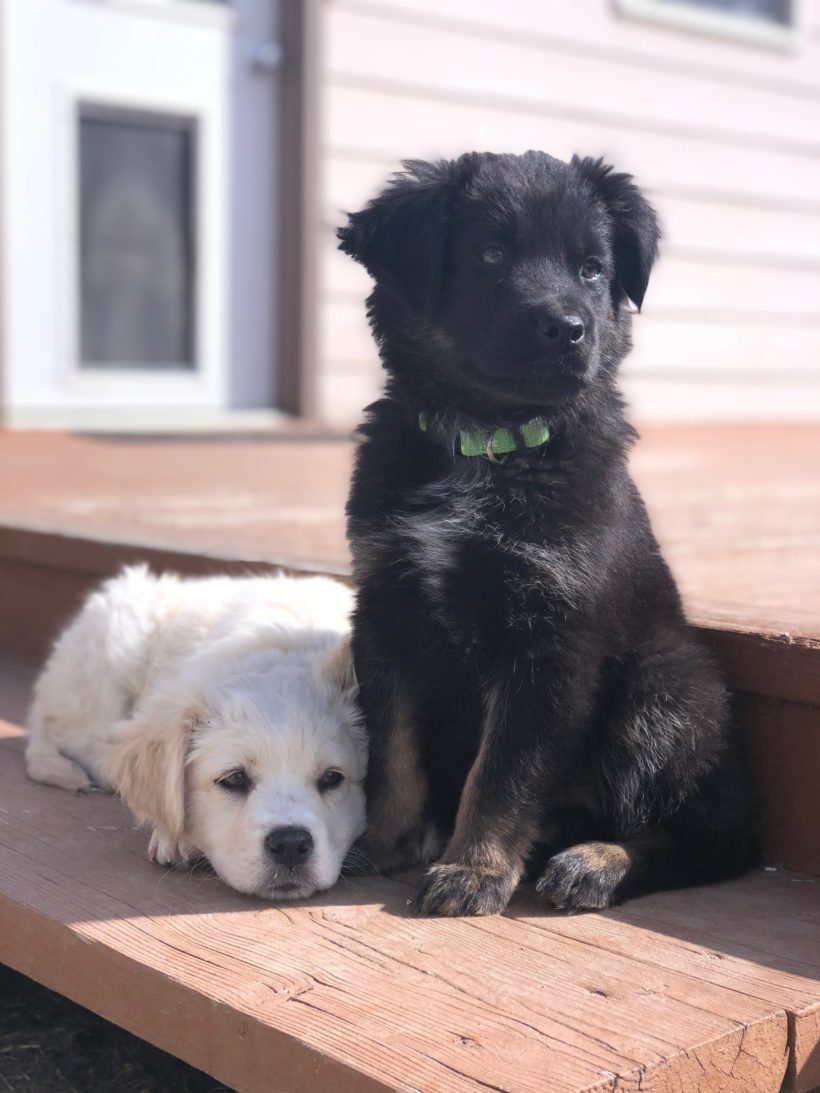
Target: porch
713, 988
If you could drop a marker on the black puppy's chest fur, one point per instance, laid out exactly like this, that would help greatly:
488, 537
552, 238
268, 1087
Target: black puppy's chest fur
494, 548
477, 563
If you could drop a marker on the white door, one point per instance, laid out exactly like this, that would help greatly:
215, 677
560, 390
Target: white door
138, 193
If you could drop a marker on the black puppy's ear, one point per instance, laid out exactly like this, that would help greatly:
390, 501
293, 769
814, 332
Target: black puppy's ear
400, 236
637, 231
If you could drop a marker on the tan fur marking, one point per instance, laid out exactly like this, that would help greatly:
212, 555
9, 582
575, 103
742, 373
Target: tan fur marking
606, 855
492, 844
399, 807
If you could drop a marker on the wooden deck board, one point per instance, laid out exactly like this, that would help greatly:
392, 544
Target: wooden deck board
700, 989
348, 991
735, 506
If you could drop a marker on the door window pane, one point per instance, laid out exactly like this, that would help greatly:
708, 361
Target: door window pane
136, 240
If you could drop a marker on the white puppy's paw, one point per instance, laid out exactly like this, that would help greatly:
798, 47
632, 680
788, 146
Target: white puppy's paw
49, 766
165, 850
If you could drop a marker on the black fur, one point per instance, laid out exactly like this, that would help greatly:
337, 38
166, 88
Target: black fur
535, 700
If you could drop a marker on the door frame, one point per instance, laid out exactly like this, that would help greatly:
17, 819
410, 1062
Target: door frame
299, 208
298, 215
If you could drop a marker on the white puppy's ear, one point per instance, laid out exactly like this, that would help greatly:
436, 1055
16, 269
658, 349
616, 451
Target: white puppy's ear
149, 772
338, 671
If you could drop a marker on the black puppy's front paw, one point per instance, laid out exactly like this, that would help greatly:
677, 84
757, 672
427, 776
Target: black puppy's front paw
463, 890
585, 877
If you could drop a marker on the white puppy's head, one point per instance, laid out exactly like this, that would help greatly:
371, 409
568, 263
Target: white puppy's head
262, 773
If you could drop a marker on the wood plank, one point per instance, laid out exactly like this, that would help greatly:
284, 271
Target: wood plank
734, 508
603, 32
43, 577
349, 991
345, 391
771, 348
765, 661
696, 935
682, 400
690, 222
785, 735
371, 45
785, 751
391, 119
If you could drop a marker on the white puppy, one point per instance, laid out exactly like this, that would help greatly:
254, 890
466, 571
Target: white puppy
223, 711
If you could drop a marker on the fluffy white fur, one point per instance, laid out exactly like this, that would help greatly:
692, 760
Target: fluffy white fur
162, 686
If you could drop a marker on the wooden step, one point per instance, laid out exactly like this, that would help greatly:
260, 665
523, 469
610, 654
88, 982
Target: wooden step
711, 989
44, 575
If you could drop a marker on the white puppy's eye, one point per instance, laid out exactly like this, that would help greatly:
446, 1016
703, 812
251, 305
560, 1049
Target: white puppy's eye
237, 781
492, 256
329, 780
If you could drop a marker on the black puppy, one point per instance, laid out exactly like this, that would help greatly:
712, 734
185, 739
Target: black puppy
535, 699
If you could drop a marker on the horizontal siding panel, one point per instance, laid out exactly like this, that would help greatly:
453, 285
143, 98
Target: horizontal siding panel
663, 346
689, 223
732, 287
694, 400
345, 389
369, 47
725, 138
369, 168
344, 335
601, 31
725, 227
678, 284
778, 349
342, 394
395, 124
341, 276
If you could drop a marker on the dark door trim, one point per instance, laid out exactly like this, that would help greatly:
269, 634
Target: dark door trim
300, 223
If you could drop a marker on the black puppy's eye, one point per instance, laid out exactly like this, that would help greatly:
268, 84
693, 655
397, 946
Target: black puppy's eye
492, 256
237, 781
330, 780
592, 269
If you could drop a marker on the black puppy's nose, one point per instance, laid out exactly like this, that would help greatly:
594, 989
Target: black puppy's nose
560, 331
290, 846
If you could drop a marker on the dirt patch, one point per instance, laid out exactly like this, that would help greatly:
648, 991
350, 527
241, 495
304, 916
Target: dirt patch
51, 1045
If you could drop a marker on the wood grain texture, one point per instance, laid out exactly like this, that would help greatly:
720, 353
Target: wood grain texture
693, 990
735, 509
785, 748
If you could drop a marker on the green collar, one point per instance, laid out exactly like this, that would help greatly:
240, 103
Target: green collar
500, 441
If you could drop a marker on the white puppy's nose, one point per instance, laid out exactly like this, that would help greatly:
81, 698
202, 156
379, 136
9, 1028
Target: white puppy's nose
290, 846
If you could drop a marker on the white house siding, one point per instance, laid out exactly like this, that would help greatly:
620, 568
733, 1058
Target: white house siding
725, 137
